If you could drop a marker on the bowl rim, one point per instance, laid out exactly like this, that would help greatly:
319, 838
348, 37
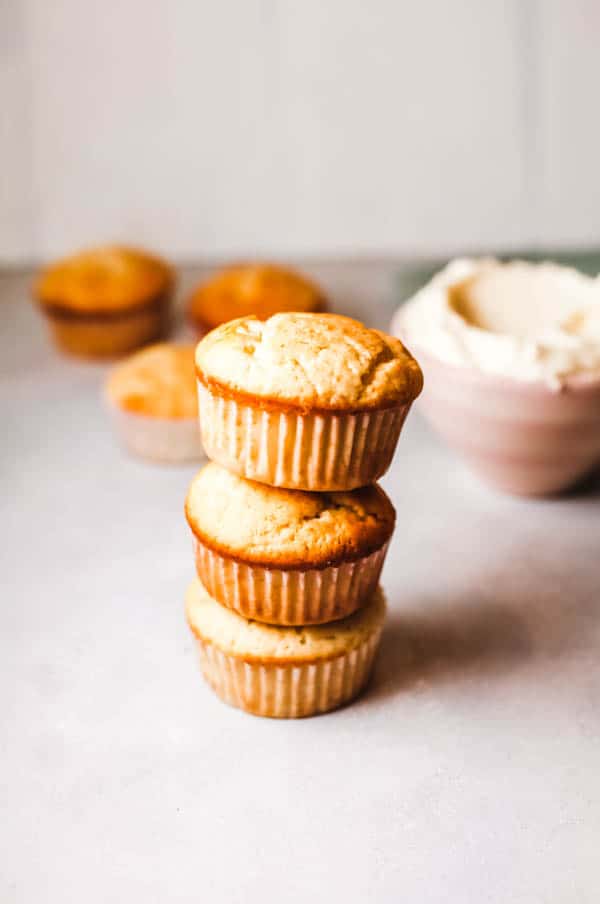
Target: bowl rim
582, 383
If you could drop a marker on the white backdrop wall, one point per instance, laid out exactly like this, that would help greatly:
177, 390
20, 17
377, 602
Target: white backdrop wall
298, 127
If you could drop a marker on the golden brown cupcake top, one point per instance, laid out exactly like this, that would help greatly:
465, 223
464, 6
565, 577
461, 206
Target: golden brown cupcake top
259, 524
104, 280
158, 381
308, 361
259, 289
256, 642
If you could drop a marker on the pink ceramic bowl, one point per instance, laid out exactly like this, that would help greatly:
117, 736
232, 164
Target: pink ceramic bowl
523, 438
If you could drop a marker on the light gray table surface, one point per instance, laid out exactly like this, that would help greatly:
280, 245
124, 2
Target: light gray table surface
468, 772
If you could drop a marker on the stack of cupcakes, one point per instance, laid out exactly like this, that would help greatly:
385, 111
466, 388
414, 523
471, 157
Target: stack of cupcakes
300, 415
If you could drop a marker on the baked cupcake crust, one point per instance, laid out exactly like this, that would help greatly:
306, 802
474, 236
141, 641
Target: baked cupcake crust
286, 529
307, 362
259, 289
157, 381
256, 642
104, 283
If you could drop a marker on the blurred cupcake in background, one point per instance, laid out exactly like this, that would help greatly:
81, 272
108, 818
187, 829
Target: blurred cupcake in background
511, 358
258, 289
107, 301
152, 398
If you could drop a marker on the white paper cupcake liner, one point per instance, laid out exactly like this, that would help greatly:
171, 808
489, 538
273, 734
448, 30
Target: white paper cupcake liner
289, 596
322, 452
169, 440
292, 690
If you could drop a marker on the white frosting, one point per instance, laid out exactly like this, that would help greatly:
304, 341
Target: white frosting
527, 321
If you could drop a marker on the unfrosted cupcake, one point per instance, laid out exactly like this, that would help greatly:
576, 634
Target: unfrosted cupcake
107, 301
284, 672
287, 557
152, 397
306, 401
243, 289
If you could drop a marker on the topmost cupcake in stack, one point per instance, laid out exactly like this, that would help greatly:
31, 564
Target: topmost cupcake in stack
298, 413
304, 401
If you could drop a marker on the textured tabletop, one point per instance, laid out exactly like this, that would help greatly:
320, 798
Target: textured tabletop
469, 771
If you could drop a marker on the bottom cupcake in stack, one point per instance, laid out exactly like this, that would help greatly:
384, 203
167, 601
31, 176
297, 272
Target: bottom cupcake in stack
284, 672
286, 610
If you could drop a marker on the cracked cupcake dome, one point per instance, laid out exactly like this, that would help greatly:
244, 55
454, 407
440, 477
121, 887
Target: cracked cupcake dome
305, 401
287, 557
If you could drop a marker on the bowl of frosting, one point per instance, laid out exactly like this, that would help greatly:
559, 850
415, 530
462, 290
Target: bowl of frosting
511, 358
